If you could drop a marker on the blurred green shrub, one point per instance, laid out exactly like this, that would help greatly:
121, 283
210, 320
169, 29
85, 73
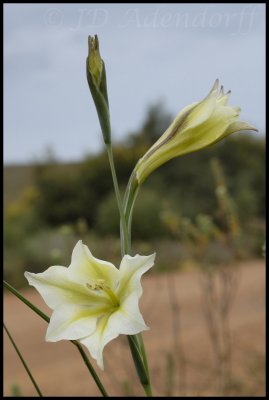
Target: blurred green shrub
147, 223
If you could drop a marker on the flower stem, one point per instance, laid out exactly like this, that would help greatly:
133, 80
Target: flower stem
148, 390
136, 344
74, 342
25, 301
23, 361
138, 351
124, 246
90, 368
143, 352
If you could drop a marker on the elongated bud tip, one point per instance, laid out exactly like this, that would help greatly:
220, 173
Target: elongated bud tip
215, 86
95, 63
93, 43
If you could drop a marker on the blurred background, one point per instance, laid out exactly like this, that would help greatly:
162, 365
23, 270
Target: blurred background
202, 213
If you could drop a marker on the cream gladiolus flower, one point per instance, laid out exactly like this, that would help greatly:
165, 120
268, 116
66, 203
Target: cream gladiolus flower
92, 300
197, 126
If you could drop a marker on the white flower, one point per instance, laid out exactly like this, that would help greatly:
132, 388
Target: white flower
92, 300
197, 126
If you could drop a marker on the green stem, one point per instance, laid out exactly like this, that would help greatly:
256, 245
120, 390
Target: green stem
135, 342
90, 368
138, 359
25, 301
143, 351
74, 342
23, 361
124, 246
148, 390
128, 204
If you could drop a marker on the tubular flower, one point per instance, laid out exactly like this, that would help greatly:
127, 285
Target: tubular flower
197, 126
92, 300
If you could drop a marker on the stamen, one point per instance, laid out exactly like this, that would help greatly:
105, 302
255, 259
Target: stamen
100, 284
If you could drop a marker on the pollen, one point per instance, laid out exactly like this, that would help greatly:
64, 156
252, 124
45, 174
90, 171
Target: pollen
98, 284
101, 285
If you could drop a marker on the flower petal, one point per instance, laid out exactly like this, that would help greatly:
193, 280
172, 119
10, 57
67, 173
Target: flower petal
223, 98
204, 109
131, 270
174, 127
70, 321
239, 126
56, 288
208, 132
191, 116
127, 320
85, 268
96, 342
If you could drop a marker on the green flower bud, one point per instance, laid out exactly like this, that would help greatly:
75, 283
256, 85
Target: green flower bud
96, 76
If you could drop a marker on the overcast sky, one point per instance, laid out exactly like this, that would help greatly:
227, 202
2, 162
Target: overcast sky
168, 52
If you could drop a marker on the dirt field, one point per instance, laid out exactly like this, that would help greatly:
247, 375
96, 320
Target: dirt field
181, 357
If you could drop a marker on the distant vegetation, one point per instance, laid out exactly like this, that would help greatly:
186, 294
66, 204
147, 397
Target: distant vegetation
43, 200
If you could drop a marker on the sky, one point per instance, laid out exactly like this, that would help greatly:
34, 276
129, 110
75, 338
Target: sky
153, 52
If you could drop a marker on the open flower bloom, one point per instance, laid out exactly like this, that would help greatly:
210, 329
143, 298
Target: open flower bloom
92, 300
197, 126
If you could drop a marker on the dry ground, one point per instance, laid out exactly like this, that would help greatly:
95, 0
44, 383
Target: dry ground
179, 349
